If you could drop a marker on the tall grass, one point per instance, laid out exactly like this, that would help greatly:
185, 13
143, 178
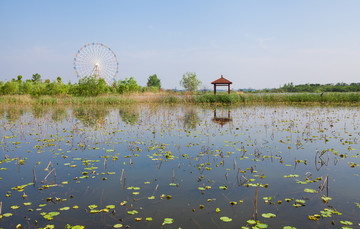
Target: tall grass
184, 98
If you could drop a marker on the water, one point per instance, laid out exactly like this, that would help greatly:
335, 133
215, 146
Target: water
179, 156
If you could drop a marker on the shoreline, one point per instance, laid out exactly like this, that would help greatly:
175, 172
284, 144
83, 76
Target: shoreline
335, 98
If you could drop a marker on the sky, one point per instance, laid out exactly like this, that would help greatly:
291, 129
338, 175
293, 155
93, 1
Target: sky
255, 44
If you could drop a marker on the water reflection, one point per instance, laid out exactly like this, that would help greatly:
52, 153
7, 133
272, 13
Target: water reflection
191, 118
91, 116
223, 118
129, 115
169, 170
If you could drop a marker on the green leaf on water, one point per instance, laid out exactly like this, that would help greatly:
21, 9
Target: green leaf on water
201, 188
7, 214
53, 213
225, 219
168, 221
346, 223
110, 206
133, 212
148, 219
300, 201
94, 211
309, 190
27, 204
217, 210
123, 203
261, 225
289, 227
15, 207
291, 175
118, 225
64, 208
251, 222
326, 199
74, 227
268, 215
224, 187
93, 206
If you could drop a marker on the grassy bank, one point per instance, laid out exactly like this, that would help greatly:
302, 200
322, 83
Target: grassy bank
206, 98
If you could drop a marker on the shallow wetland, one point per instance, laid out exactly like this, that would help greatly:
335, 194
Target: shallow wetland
181, 166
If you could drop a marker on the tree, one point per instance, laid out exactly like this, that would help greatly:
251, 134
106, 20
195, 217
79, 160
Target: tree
19, 78
58, 79
90, 86
36, 78
127, 85
190, 82
10, 88
154, 81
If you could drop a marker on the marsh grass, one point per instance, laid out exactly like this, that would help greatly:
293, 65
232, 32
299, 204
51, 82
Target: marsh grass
187, 98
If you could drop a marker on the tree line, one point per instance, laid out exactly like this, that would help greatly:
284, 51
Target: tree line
317, 88
87, 86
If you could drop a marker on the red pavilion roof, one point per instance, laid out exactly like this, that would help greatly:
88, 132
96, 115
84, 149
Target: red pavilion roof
221, 80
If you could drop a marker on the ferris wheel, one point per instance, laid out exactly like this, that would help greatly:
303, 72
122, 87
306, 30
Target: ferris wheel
96, 59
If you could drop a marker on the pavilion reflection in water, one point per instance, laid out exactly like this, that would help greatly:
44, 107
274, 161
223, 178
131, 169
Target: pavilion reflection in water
222, 120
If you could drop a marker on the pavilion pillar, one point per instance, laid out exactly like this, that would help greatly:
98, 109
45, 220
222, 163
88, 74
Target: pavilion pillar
228, 88
214, 89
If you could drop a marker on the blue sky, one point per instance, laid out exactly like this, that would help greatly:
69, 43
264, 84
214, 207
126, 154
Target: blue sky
255, 44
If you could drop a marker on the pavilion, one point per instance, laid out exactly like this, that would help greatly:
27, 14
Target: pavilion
221, 82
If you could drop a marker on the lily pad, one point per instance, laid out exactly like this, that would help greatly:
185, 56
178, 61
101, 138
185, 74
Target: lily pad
224, 187
225, 219
268, 215
168, 221
309, 190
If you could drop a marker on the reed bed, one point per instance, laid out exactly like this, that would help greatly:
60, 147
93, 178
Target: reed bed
186, 98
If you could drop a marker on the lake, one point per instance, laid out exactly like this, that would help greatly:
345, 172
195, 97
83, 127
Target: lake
183, 166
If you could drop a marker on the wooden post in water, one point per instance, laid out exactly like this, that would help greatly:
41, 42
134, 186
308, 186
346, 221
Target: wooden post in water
255, 205
173, 175
34, 175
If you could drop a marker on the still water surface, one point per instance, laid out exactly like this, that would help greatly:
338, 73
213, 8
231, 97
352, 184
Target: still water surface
179, 162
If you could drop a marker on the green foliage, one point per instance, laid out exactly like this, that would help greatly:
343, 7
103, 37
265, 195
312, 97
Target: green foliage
10, 88
127, 86
19, 79
56, 88
190, 82
37, 89
89, 86
211, 98
36, 78
150, 89
153, 81
318, 88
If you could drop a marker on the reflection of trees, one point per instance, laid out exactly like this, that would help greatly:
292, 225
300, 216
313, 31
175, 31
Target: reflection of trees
13, 113
58, 114
38, 111
191, 119
91, 116
129, 115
